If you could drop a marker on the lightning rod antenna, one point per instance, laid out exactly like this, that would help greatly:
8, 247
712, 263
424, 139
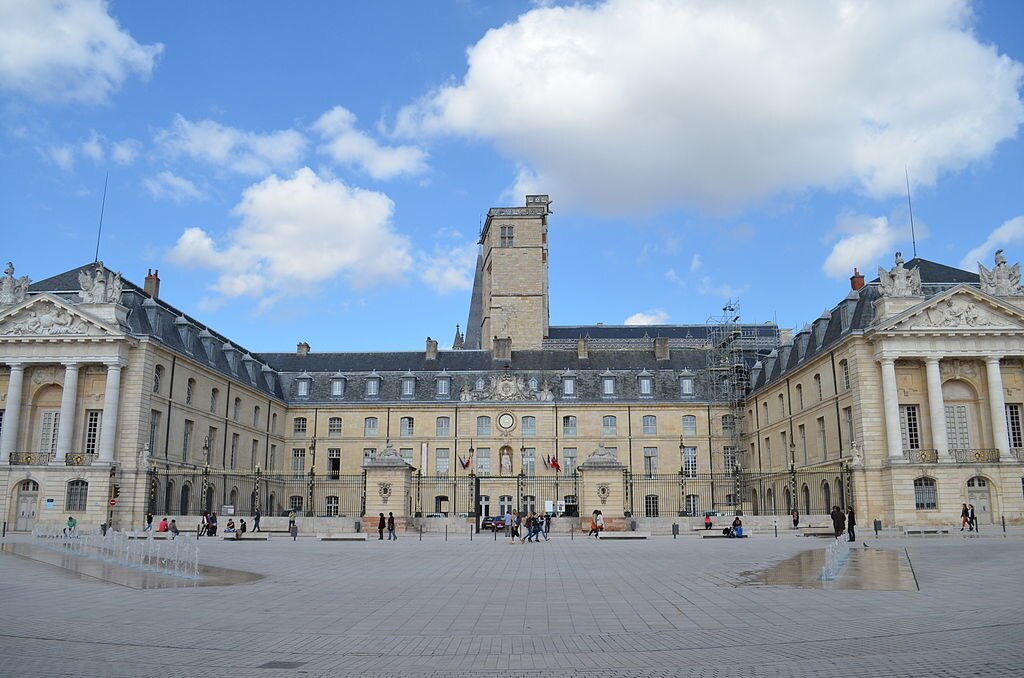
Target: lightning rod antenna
910, 205
99, 231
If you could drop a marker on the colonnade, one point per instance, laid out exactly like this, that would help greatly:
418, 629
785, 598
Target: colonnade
68, 406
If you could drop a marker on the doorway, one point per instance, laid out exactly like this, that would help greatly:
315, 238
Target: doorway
28, 505
979, 495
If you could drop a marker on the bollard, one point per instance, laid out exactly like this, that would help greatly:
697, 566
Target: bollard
572, 532
421, 533
776, 529
197, 532
446, 532
495, 534
5, 528
1002, 517
471, 533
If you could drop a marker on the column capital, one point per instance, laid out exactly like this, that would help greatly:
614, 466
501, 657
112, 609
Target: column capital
887, 361
14, 365
992, 359
118, 364
932, 360
71, 364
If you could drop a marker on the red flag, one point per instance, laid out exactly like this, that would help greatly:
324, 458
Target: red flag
554, 464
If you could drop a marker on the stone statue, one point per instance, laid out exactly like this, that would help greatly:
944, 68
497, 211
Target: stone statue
101, 286
955, 312
44, 320
13, 290
900, 282
466, 394
857, 457
546, 395
602, 453
506, 461
1001, 281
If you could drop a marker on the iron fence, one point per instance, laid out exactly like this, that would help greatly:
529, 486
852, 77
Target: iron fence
443, 496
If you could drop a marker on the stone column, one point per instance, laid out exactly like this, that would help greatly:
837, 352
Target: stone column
937, 409
111, 400
997, 403
66, 427
388, 488
601, 488
12, 414
891, 404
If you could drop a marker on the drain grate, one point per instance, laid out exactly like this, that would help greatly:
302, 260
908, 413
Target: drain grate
280, 665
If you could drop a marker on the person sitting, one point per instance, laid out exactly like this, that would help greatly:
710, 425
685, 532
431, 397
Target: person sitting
162, 527
69, 531
707, 522
174, 529
230, 527
737, 528
241, 526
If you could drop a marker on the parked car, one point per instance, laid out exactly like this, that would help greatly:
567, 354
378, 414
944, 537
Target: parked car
493, 523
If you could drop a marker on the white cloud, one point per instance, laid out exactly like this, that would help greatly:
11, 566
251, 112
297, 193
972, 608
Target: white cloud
232, 149
639, 104
347, 145
296, 233
68, 51
449, 269
708, 288
63, 156
1008, 233
92, 147
653, 317
125, 151
169, 186
695, 263
863, 241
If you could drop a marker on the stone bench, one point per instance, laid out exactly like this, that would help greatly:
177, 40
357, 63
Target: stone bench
346, 536
150, 535
717, 534
624, 535
818, 531
925, 530
247, 536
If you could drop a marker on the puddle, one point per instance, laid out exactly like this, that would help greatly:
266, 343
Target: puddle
866, 569
128, 576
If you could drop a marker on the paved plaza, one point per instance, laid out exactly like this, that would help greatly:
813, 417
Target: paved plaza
660, 607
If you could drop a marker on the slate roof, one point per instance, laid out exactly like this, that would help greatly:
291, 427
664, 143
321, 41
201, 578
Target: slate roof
694, 331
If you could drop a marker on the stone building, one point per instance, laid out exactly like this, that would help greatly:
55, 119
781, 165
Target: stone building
115, 403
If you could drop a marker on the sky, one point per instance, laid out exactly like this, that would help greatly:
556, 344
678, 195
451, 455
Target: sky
318, 171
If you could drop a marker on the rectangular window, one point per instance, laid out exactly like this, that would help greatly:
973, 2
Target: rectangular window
406, 454
334, 427
483, 461
483, 426
253, 452
369, 453
507, 236
233, 463
924, 494
299, 426
650, 460
48, 432
846, 374
443, 387
372, 388
817, 386
568, 387
303, 388
209, 444
689, 425
298, 462
272, 457
692, 505
530, 461
729, 459
370, 427
686, 387
331, 506
1013, 427
690, 462
569, 460
802, 433
443, 427
186, 439
154, 428
957, 430
646, 386
441, 461
568, 426
608, 386
848, 418
768, 451
408, 388
822, 441
337, 388
529, 427
650, 425
910, 427
334, 462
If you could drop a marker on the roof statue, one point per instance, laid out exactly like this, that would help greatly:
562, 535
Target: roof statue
1001, 281
900, 282
102, 286
13, 290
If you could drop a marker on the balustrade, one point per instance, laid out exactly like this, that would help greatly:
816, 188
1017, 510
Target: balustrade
30, 458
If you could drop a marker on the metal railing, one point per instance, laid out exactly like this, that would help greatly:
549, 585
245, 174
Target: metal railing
925, 456
977, 456
1017, 453
79, 458
30, 458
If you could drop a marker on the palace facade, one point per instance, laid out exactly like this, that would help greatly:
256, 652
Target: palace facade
904, 400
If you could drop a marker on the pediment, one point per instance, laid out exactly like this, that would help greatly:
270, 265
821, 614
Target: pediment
47, 317
961, 308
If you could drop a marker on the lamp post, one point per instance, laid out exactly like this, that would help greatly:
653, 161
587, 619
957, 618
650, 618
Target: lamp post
792, 477
256, 491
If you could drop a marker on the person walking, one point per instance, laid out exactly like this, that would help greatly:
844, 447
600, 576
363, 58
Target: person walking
149, 522
174, 529
796, 519
204, 524
972, 519
293, 529
382, 524
256, 521
838, 521
391, 527
600, 524
213, 523
593, 524
965, 517
508, 522
547, 525
515, 523
851, 522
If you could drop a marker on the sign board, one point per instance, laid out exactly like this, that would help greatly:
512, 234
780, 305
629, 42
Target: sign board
113, 502
49, 503
561, 506
227, 510
549, 506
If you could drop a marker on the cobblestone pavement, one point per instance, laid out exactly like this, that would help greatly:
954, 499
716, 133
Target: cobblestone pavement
660, 607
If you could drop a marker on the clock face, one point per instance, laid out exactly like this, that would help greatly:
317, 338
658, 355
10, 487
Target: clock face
506, 421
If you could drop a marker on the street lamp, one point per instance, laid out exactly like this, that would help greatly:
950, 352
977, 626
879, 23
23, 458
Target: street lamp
206, 450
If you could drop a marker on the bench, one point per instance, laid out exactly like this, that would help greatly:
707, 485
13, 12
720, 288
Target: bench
819, 531
623, 535
925, 530
717, 534
347, 536
248, 536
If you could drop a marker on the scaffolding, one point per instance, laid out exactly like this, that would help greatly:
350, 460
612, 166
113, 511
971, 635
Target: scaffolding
728, 379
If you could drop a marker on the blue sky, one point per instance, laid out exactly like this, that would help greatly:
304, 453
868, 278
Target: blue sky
318, 171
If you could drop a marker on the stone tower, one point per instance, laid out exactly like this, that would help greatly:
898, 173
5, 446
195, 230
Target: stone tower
510, 291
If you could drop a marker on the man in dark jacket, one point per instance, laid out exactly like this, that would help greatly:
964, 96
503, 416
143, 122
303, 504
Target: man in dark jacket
851, 522
838, 520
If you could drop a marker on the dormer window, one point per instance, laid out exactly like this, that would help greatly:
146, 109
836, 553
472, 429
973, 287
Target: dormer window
408, 387
302, 386
373, 385
645, 384
337, 386
443, 386
686, 389
479, 386
607, 385
533, 384
568, 385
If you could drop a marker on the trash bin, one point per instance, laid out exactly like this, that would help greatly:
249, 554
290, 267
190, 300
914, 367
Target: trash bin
878, 526
632, 526
359, 526
675, 529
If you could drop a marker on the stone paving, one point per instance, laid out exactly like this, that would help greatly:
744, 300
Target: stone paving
660, 607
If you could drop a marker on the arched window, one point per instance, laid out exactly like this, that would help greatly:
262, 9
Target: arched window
925, 495
568, 425
214, 396
442, 427
190, 386
407, 427
334, 427
370, 427
299, 426
256, 416
211, 491
186, 495
237, 411
169, 497
650, 425
78, 492
689, 425
826, 494
782, 405
817, 386
158, 378
273, 422
233, 498
806, 492
609, 425
800, 396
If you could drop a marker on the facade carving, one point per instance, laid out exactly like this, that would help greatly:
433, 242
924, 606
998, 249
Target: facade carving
962, 312
1001, 281
13, 290
959, 369
900, 282
101, 286
44, 319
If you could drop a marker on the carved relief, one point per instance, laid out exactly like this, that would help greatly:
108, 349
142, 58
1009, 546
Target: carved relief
50, 374
506, 387
1001, 281
44, 319
900, 282
958, 369
603, 492
100, 286
384, 491
13, 290
962, 312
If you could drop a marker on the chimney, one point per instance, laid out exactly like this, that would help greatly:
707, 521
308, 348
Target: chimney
581, 349
502, 349
302, 348
856, 280
661, 351
431, 349
153, 283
